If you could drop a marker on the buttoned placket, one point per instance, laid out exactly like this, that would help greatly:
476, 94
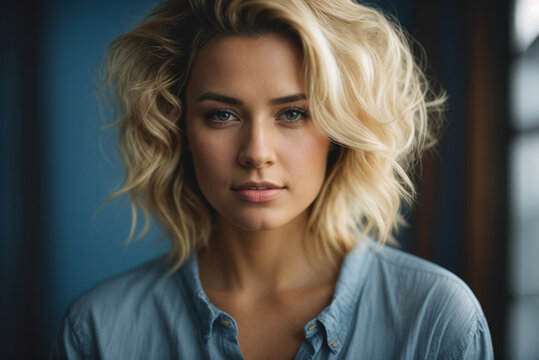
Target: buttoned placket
333, 330
313, 341
225, 334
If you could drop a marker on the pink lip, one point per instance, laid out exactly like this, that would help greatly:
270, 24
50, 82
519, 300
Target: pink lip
258, 196
246, 192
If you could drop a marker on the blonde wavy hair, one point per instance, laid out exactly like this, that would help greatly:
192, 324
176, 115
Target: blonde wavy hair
366, 92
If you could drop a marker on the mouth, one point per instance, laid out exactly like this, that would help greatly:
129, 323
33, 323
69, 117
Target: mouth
258, 192
256, 185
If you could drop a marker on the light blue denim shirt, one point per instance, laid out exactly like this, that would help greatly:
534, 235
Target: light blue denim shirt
387, 305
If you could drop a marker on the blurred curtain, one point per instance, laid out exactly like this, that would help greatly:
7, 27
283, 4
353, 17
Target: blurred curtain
23, 307
461, 219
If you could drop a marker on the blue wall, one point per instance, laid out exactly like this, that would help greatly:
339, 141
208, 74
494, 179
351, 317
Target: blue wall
87, 242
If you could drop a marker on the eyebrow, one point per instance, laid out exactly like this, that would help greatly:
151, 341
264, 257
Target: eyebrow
237, 102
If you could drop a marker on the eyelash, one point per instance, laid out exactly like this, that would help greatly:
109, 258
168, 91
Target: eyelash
304, 116
209, 116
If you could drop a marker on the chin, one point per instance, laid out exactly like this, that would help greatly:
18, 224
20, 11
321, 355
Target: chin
259, 223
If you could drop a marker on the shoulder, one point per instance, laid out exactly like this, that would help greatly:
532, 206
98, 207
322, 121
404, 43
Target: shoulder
127, 290
420, 278
426, 304
123, 309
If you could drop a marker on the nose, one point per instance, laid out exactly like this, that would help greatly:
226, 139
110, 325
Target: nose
257, 144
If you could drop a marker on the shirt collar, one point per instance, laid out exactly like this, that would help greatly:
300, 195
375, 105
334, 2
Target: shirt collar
206, 313
336, 318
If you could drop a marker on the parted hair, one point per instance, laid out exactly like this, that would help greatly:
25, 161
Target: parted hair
367, 93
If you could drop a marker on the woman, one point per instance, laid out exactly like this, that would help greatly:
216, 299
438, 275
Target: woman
272, 140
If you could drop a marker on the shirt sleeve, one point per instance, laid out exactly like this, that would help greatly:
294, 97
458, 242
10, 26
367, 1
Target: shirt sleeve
475, 345
459, 328
71, 342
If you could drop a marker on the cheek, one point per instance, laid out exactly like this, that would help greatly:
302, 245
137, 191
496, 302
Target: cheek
211, 158
307, 157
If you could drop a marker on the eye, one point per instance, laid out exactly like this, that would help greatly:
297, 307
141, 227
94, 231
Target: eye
293, 115
220, 117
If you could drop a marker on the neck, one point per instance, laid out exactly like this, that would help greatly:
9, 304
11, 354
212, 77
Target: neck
260, 263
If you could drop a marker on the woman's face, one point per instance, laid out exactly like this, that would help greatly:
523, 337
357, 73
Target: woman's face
259, 159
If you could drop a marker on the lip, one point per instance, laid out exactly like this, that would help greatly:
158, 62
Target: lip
256, 184
245, 191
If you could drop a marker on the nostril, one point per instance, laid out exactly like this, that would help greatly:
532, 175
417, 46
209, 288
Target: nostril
257, 151
255, 162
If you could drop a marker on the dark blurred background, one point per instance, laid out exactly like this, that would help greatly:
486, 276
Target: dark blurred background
477, 213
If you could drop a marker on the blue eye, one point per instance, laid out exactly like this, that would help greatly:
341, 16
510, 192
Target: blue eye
293, 115
220, 116
223, 116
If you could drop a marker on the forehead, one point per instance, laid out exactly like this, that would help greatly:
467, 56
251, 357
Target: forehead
248, 65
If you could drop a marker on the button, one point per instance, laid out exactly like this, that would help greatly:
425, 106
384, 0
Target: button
335, 344
312, 327
224, 322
